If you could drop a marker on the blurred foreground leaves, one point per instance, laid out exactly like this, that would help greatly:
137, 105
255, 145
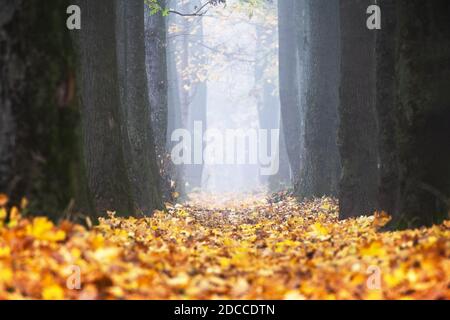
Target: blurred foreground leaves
213, 248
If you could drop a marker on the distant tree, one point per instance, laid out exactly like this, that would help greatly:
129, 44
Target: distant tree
289, 89
198, 100
173, 100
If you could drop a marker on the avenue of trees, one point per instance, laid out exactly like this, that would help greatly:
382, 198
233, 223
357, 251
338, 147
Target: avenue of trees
86, 115
387, 87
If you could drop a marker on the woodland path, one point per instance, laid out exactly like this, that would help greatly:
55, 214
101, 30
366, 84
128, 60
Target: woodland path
225, 247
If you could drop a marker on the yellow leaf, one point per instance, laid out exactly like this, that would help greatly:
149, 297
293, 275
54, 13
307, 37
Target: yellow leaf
375, 249
53, 292
6, 275
224, 262
5, 252
3, 214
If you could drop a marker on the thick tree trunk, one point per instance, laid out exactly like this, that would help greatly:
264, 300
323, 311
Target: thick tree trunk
11, 74
320, 171
39, 142
157, 68
385, 107
423, 110
100, 108
357, 130
138, 141
289, 90
155, 45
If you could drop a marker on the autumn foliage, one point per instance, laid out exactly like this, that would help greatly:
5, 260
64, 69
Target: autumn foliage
241, 249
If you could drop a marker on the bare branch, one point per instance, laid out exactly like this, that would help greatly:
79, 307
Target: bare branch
197, 13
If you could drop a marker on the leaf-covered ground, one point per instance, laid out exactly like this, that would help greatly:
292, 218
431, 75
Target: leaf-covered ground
217, 248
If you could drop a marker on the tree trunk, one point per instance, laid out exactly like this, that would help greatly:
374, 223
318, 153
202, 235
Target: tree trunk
138, 141
385, 107
423, 111
157, 68
289, 91
357, 129
39, 119
174, 102
100, 108
198, 101
321, 167
268, 106
155, 45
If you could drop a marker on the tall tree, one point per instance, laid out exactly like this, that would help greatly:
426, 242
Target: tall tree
138, 142
289, 90
385, 107
357, 130
100, 108
266, 93
158, 89
39, 118
320, 171
174, 103
156, 62
199, 97
423, 111
118, 143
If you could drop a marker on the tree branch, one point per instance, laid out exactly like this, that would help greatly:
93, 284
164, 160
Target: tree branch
197, 13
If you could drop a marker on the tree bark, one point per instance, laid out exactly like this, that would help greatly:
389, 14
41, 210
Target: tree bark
100, 108
155, 45
357, 129
289, 91
385, 106
137, 134
320, 171
174, 102
423, 112
158, 88
39, 117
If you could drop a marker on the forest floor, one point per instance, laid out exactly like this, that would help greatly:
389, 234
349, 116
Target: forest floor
215, 247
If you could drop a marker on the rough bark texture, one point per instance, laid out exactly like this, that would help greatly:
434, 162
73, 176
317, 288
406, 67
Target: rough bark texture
100, 108
289, 90
320, 171
155, 47
385, 108
11, 90
423, 111
39, 143
303, 35
357, 131
157, 68
138, 143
